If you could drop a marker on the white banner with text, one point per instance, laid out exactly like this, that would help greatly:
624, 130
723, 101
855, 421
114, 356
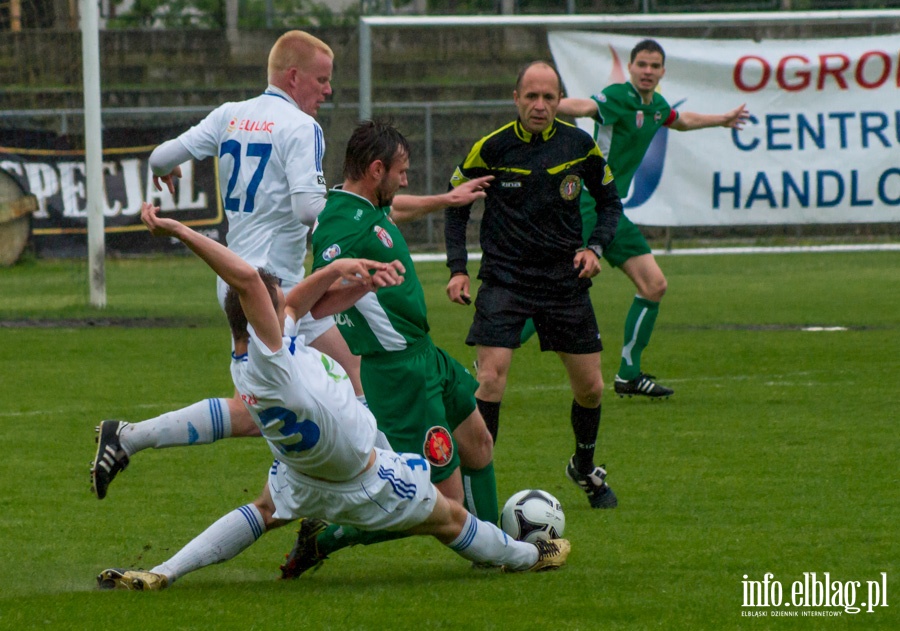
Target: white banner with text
822, 144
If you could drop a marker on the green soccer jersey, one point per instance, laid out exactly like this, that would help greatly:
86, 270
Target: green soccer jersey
393, 318
625, 126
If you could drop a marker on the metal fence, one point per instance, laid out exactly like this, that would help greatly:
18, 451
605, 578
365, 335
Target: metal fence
439, 140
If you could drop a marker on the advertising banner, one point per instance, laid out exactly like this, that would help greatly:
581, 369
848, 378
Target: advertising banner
822, 144
56, 179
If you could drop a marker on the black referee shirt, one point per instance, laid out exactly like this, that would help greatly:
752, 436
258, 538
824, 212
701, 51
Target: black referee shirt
531, 226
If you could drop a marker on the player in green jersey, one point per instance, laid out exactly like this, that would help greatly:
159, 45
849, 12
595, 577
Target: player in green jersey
422, 399
630, 114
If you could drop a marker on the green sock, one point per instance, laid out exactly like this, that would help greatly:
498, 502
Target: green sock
336, 537
638, 329
480, 489
527, 331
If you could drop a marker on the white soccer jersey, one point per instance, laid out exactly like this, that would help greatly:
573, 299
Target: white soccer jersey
306, 409
267, 149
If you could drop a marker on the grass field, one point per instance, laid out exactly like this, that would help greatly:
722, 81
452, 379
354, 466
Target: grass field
778, 453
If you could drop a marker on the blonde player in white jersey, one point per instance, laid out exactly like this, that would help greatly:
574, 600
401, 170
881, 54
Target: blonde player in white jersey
327, 465
270, 151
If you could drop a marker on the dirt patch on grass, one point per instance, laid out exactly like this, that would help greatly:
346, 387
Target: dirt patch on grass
70, 323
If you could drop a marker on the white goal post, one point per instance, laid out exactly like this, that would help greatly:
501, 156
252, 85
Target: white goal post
655, 21
93, 152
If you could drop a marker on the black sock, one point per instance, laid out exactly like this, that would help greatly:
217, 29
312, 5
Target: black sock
586, 425
490, 412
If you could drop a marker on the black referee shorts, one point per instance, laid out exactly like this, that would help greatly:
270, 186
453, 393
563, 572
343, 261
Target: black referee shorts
565, 324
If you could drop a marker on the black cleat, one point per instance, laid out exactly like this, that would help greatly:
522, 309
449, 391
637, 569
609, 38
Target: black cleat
643, 385
594, 484
110, 458
305, 553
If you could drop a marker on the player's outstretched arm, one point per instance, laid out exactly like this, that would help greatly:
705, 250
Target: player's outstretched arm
411, 207
577, 107
231, 268
165, 161
688, 121
337, 286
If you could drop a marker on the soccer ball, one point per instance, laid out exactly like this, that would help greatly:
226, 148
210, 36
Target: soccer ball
533, 514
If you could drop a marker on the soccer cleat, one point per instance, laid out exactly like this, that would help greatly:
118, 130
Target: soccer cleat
552, 555
110, 458
132, 580
643, 385
594, 484
305, 553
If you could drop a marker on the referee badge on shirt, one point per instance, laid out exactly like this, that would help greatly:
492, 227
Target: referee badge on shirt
438, 447
383, 236
570, 187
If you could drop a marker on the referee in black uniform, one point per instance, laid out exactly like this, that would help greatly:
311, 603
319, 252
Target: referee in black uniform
533, 263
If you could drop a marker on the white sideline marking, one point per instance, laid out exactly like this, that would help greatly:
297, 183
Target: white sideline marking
75, 410
873, 247
770, 380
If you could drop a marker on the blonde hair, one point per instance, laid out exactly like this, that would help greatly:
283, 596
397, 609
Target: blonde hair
294, 49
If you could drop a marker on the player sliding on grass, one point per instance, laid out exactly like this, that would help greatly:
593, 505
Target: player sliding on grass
279, 179
323, 438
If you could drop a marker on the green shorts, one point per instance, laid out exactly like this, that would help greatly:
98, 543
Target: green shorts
419, 396
628, 242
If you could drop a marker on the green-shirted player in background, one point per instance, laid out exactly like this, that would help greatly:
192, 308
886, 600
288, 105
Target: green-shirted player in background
630, 114
422, 399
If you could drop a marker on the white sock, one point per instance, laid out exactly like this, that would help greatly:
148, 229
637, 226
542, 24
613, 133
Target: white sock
199, 424
224, 540
483, 542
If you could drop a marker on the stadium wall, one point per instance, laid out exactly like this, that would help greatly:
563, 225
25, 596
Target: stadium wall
443, 87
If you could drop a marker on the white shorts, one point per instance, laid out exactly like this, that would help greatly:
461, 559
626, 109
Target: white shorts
308, 327
396, 493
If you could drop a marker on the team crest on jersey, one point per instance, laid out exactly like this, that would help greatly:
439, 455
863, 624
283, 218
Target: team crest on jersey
438, 447
601, 97
570, 187
232, 125
383, 236
331, 252
639, 120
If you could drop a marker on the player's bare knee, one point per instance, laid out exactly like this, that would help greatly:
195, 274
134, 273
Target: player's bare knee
591, 395
658, 289
491, 380
476, 447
